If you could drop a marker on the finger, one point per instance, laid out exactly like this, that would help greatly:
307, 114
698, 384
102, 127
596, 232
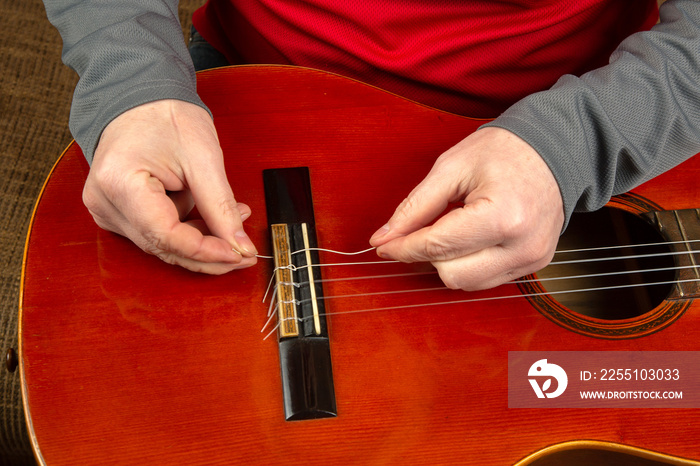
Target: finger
154, 225
184, 203
207, 267
219, 209
427, 200
200, 225
481, 270
244, 211
215, 268
190, 247
191, 263
488, 268
459, 232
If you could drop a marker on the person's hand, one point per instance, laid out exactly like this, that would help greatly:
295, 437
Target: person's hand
152, 165
509, 223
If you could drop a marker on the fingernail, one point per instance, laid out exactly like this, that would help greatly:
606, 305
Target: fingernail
381, 232
245, 245
385, 256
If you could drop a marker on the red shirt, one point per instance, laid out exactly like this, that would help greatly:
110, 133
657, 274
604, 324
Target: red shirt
473, 58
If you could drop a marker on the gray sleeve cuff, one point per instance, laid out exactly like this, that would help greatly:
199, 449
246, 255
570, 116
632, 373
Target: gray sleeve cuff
87, 124
127, 53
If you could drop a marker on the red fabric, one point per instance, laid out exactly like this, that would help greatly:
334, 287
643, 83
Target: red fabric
473, 58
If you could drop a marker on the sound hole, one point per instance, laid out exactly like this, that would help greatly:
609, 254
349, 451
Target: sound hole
624, 288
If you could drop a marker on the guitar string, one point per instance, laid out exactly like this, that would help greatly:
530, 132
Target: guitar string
554, 263
271, 313
622, 246
686, 242
524, 295
633, 256
603, 248
609, 258
574, 261
304, 250
512, 282
322, 249
344, 279
565, 251
473, 300
272, 310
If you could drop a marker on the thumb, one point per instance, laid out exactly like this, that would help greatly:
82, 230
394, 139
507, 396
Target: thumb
460, 232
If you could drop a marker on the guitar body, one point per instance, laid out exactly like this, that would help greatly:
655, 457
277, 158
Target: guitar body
128, 360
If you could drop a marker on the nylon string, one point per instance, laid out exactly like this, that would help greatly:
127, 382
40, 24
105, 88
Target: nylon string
272, 310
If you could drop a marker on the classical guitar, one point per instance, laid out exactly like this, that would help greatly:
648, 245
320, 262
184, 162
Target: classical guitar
127, 360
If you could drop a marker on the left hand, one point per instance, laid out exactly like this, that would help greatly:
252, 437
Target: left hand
152, 163
509, 224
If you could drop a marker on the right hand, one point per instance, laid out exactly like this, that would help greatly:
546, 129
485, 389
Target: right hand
508, 225
152, 165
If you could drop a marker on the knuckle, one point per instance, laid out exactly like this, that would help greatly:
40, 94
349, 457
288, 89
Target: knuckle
514, 225
91, 199
228, 207
436, 248
154, 244
528, 257
99, 187
540, 251
448, 162
100, 213
173, 259
450, 280
409, 205
101, 176
455, 277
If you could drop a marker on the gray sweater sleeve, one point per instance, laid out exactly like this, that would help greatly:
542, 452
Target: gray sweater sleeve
126, 53
620, 125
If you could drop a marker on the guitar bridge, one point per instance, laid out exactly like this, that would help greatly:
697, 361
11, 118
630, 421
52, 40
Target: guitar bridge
304, 347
